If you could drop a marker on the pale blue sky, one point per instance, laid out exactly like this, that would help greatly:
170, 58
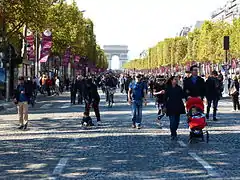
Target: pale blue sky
142, 23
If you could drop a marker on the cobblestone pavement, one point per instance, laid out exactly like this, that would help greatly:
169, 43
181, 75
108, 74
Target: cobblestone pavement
56, 147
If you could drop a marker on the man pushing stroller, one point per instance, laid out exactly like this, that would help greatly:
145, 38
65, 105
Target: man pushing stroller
194, 86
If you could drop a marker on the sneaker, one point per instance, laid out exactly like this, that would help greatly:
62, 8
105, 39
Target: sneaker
138, 126
20, 127
215, 119
25, 126
233, 110
134, 126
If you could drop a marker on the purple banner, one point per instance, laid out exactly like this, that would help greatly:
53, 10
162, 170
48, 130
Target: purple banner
30, 46
67, 57
46, 46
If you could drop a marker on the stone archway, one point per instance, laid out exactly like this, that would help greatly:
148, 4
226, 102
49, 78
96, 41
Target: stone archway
116, 50
115, 62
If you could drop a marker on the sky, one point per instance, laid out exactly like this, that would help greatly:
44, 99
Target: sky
141, 24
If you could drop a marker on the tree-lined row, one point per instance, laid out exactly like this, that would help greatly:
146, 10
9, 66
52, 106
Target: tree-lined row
201, 45
65, 21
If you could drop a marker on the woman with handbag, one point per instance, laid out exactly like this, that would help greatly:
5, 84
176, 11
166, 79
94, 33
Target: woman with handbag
234, 92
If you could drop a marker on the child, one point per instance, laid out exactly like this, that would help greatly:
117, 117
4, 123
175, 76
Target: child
87, 120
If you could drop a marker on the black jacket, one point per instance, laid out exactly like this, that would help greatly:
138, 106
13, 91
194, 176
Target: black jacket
174, 102
90, 93
213, 88
194, 90
73, 87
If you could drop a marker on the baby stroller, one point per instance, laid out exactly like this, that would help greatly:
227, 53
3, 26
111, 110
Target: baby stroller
196, 119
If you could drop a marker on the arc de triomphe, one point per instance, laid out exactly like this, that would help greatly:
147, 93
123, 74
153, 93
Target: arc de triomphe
116, 50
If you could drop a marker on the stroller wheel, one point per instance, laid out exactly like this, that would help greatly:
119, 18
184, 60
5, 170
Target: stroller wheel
207, 136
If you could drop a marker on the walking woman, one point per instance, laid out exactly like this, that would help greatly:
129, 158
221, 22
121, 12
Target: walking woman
174, 104
234, 92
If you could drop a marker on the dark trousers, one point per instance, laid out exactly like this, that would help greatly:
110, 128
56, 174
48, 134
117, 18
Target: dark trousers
122, 88
160, 108
127, 93
109, 96
235, 100
73, 97
95, 106
80, 97
213, 101
174, 123
48, 90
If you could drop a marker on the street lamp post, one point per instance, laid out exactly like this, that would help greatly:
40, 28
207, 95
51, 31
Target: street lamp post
8, 68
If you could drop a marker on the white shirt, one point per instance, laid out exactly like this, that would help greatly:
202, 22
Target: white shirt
57, 82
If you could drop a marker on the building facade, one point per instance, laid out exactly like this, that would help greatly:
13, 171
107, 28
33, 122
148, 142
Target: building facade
228, 12
185, 30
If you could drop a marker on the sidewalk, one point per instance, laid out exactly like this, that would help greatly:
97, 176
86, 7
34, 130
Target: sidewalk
6, 105
10, 106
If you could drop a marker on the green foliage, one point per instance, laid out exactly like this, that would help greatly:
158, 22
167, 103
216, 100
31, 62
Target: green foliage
201, 45
66, 21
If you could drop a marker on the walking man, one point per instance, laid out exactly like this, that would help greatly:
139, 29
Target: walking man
21, 99
213, 94
194, 86
136, 94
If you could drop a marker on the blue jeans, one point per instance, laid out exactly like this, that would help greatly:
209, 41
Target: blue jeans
137, 112
174, 122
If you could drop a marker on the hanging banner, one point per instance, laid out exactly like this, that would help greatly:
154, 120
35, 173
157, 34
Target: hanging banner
76, 58
46, 46
30, 45
67, 57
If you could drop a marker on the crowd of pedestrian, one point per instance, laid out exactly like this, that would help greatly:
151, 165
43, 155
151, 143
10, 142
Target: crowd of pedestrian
170, 92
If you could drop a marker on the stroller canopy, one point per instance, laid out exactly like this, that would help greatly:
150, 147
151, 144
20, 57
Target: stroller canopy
194, 102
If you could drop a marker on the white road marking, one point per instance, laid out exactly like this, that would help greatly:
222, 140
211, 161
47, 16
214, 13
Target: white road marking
59, 168
65, 106
46, 106
182, 144
207, 166
63, 161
